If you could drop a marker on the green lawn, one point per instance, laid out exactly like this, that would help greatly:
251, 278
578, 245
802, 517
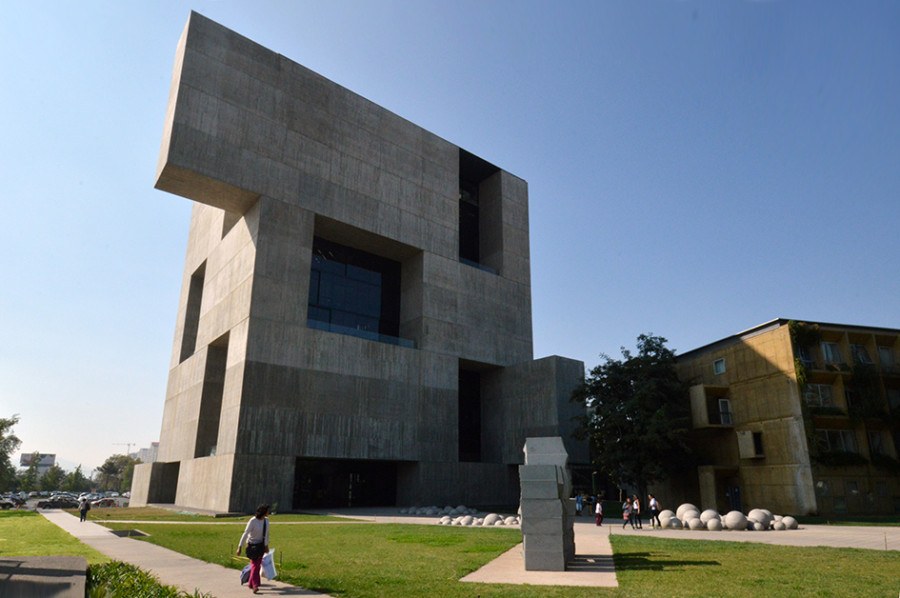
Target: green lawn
368, 561
26, 533
890, 520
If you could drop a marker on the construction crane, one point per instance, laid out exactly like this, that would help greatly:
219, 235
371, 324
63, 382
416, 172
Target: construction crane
127, 446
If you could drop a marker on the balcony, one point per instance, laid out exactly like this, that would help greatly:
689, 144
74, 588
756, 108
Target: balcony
710, 407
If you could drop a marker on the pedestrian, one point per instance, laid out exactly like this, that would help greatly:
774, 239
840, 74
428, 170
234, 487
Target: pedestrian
598, 512
654, 511
636, 512
84, 505
256, 534
626, 513
579, 504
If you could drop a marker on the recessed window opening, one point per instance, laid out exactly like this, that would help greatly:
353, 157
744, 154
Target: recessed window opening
472, 172
354, 292
211, 398
719, 366
469, 415
831, 353
860, 354
818, 395
758, 444
192, 313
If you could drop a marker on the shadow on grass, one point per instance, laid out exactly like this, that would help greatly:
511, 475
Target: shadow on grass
647, 561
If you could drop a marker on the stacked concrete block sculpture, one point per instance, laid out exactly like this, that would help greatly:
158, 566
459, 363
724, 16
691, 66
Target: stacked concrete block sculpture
548, 517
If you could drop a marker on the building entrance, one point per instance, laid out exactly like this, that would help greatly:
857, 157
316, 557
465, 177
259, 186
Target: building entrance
324, 483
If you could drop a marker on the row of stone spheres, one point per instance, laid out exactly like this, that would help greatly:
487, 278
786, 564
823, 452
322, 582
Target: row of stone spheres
689, 517
461, 515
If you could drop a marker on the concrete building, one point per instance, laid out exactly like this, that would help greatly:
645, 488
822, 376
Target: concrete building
355, 319
148, 454
45, 461
798, 418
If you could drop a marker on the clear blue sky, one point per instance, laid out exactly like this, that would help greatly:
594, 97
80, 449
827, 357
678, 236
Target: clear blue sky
694, 168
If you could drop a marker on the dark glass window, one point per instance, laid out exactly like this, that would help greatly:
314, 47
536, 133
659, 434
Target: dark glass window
354, 292
469, 416
468, 221
472, 172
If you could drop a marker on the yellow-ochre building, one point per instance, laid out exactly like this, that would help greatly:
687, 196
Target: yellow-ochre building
796, 417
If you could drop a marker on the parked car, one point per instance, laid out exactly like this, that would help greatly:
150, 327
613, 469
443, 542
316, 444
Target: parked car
104, 502
58, 503
6, 503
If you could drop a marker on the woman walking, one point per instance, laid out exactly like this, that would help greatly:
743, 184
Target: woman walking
256, 534
598, 512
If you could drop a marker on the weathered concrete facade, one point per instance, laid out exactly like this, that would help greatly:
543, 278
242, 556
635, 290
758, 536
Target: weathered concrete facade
797, 418
271, 395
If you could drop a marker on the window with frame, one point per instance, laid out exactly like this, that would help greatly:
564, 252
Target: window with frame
876, 442
818, 395
860, 354
831, 353
806, 357
886, 357
354, 292
758, 444
843, 441
719, 366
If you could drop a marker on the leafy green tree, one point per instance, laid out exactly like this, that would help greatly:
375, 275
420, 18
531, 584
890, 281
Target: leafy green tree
637, 415
28, 478
9, 442
75, 481
52, 478
115, 473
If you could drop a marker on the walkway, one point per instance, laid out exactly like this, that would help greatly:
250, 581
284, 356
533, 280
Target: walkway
170, 567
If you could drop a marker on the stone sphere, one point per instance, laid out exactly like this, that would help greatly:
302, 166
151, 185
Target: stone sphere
789, 522
675, 523
708, 514
714, 525
664, 520
695, 523
779, 525
758, 527
685, 507
510, 521
761, 516
445, 520
467, 520
735, 520
666, 513
491, 519
778, 517
689, 514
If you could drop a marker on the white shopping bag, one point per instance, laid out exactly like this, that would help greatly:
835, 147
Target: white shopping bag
268, 565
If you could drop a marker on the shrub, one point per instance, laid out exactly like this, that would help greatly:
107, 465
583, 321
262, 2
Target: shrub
116, 579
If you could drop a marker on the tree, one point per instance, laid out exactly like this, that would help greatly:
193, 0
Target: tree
75, 481
28, 478
9, 442
52, 478
115, 472
638, 415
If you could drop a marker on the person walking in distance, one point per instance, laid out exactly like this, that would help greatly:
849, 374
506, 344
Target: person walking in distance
654, 512
256, 534
626, 513
598, 512
84, 505
636, 512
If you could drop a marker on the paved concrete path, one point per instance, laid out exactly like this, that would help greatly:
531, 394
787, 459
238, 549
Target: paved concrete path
170, 567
